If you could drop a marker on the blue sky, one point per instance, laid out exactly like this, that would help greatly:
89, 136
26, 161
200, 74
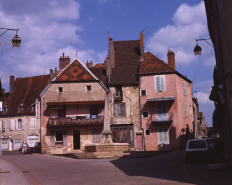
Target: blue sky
48, 27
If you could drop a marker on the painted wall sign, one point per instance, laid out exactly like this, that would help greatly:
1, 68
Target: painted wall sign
37, 109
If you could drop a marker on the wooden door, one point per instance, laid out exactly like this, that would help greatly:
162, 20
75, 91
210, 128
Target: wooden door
139, 141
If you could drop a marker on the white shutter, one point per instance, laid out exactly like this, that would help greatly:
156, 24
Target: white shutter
184, 88
15, 124
160, 135
162, 85
1, 125
32, 123
165, 134
186, 109
157, 80
4, 125
22, 126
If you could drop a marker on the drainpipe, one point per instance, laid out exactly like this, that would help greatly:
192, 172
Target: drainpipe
144, 147
130, 108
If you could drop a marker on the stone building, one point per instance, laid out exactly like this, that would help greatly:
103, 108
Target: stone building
122, 66
18, 120
72, 108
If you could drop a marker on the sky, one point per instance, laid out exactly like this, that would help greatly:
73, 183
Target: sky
49, 28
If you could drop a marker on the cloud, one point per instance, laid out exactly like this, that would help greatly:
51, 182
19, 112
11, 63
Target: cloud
189, 22
203, 98
210, 62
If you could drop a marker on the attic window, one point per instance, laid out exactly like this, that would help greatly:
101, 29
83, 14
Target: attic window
20, 108
33, 107
143, 93
5, 109
88, 87
60, 89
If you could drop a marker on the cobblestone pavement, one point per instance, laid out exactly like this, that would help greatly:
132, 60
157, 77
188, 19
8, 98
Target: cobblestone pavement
168, 168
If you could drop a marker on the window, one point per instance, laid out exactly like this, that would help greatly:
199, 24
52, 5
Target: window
143, 93
20, 124
60, 89
160, 85
118, 91
88, 87
3, 125
161, 111
59, 136
33, 123
33, 107
163, 135
186, 109
5, 109
119, 109
145, 114
15, 124
11, 124
20, 108
148, 132
184, 88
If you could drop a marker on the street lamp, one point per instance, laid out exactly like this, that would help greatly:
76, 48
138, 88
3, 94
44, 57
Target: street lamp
16, 40
197, 49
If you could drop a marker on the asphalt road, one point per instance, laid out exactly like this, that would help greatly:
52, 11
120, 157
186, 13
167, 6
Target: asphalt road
46, 169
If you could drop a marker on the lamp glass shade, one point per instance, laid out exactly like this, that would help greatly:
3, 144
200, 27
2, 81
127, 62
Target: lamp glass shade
16, 41
197, 50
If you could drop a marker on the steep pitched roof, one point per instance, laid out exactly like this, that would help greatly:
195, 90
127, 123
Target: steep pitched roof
127, 61
25, 92
153, 64
99, 72
75, 72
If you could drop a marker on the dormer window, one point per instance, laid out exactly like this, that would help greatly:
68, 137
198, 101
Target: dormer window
5, 109
33, 107
20, 108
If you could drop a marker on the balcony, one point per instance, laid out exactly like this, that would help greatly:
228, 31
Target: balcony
75, 121
162, 118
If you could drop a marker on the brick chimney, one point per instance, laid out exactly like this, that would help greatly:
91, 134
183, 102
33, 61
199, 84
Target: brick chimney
141, 47
52, 75
56, 72
63, 62
111, 51
3, 90
171, 59
89, 64
12, 80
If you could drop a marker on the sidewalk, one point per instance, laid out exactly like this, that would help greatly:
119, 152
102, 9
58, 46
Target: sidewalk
11, 175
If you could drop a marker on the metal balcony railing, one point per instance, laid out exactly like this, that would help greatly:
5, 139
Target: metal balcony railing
162, 117
76, 120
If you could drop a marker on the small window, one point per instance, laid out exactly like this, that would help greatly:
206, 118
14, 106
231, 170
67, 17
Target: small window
5, 109
88, 87
60, 89
118, 91
148, 132
143, 93
20, 109
145, 114
33, 107
59, 136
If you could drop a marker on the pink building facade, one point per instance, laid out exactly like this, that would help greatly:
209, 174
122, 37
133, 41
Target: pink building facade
166, 105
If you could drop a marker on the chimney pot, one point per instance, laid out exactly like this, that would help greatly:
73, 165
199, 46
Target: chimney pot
63, 62
3, 90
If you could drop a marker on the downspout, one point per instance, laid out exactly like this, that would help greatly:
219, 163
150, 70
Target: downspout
130, 108
144, 147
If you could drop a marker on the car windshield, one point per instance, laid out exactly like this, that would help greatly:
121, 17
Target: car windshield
197, 144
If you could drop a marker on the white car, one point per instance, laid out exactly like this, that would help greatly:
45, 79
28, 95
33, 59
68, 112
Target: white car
199, 149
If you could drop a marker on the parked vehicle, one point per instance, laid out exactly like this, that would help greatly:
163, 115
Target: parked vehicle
38, 147
24, 148
199, 150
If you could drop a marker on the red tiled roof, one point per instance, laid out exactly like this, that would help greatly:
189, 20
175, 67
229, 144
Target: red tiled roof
153, 64
99, 65
127, 61
25, 92
75, 72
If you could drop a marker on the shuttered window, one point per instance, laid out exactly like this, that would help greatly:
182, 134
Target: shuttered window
15, 124
33, 123
160, 84
163, 136
3, 124
11, 124
52, 139
96, 135
65, 138
22, 127
184, 88
119, 109
186, 109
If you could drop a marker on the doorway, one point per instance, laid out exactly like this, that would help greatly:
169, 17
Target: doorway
76, 140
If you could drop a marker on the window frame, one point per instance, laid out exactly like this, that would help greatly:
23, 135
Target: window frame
158, 84
164, 142
60, 89
141, 94
146, 132
118, 112
186, 109
88, 88
33, 123
147, 114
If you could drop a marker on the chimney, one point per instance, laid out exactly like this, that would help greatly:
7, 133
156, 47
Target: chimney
56, 73
63, 62
12, 80
171, 59
111, 51
51, 74
89, 64
141, 47
108, 66
3, 90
